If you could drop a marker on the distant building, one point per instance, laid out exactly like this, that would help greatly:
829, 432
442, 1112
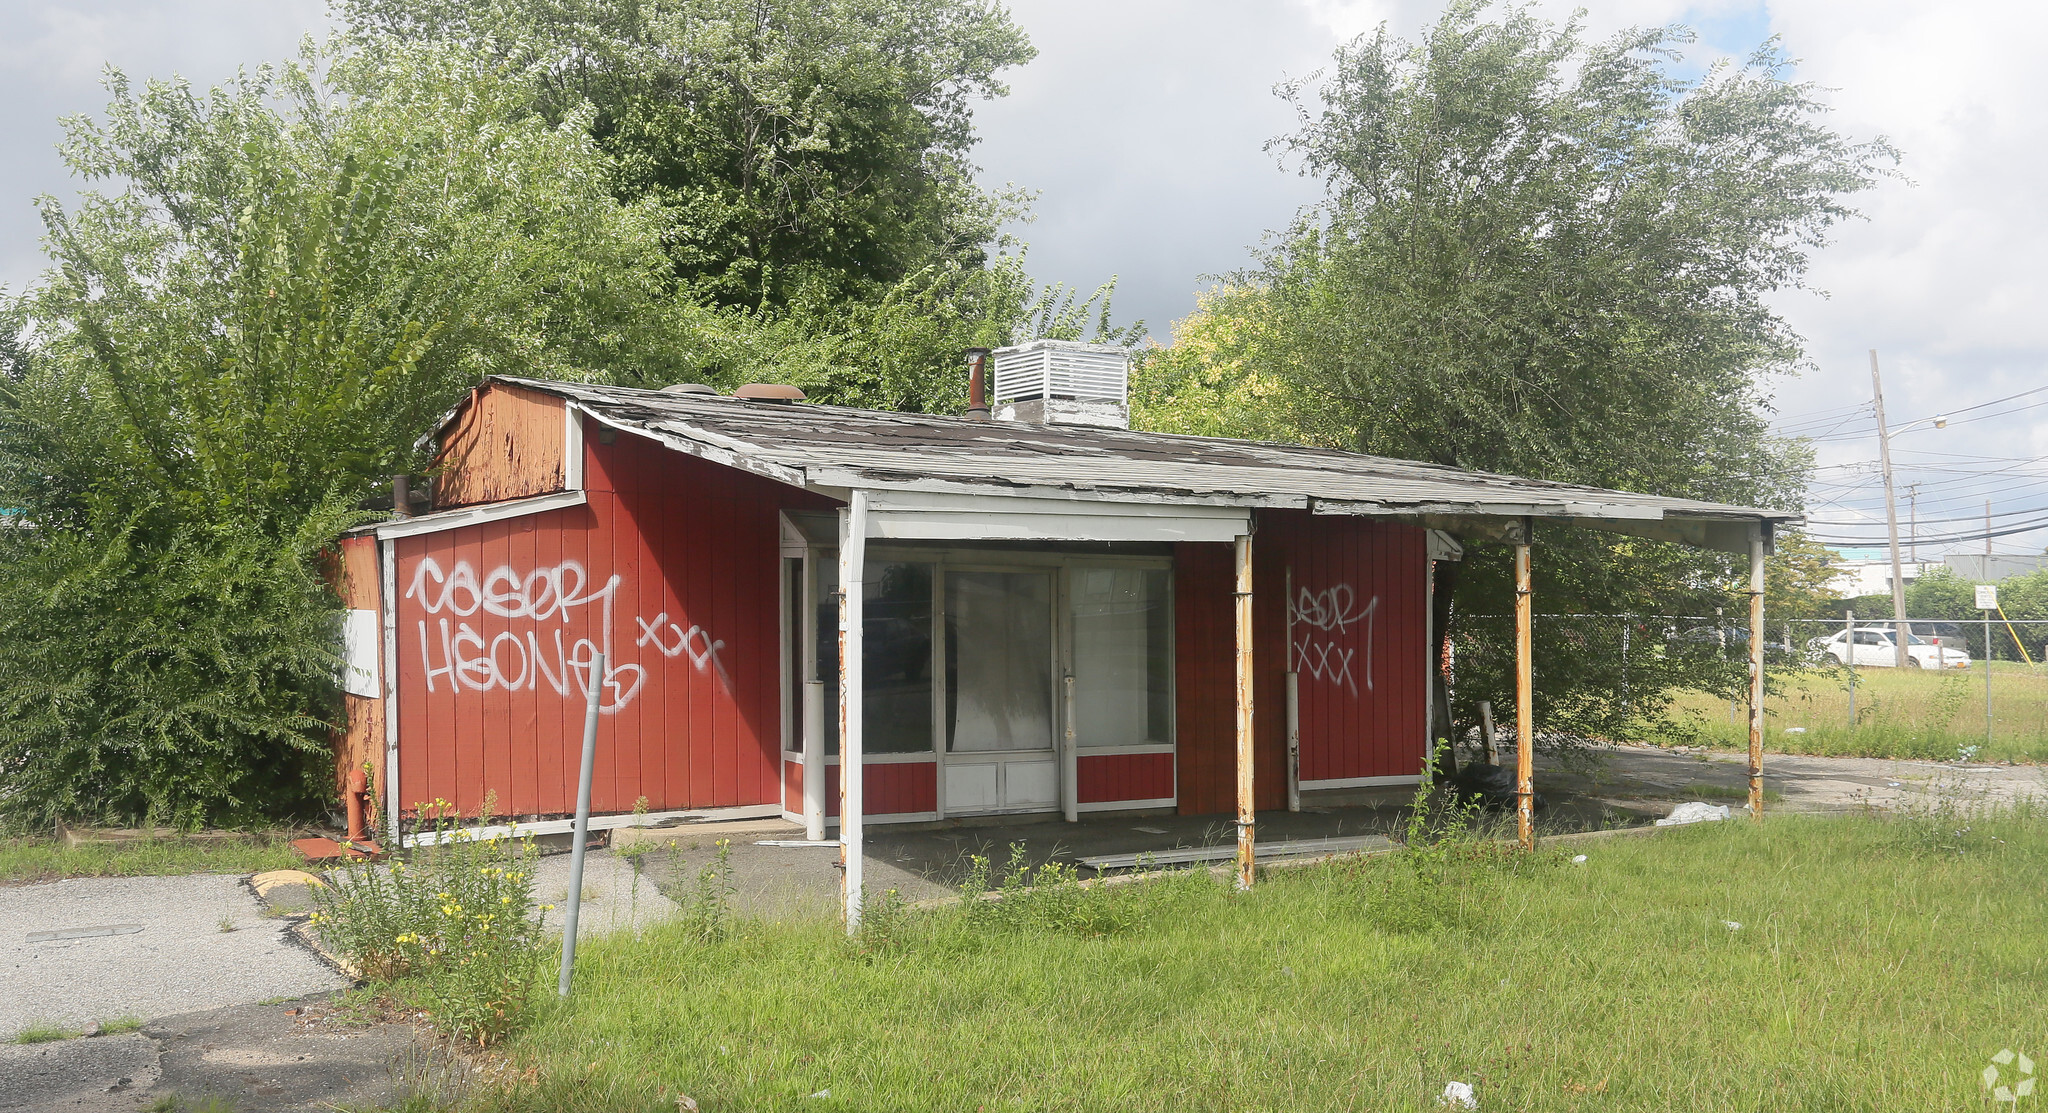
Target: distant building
1869, 572
1989, 568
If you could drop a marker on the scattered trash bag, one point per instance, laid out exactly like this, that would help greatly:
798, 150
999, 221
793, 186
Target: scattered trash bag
1458, 1095
1693, 811
1490, 785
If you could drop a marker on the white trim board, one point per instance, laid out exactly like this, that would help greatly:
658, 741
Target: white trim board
1127, 805
937, 516
1361, 782
597, 823
478, 515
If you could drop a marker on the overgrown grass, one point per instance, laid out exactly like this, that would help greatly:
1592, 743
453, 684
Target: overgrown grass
1879, 964
1917, 714
48, 859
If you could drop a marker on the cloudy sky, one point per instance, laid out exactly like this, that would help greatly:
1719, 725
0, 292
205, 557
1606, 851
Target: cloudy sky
1141, 123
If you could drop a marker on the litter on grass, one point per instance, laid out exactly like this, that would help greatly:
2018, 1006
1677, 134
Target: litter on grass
1732, 925
1579, 860
1693, 811
1458, 1095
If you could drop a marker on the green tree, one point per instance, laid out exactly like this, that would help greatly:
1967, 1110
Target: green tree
809, 163
796, 149
298, 272
1549, 257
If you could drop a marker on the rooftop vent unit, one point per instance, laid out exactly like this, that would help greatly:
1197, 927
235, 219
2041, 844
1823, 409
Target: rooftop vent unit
1063, 382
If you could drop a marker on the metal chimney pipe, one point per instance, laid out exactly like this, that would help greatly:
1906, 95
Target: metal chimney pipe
401, 496
977, 384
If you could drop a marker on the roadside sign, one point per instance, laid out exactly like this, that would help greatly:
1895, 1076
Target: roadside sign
1987, 597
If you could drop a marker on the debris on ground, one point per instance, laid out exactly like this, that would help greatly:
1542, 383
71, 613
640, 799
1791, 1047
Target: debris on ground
1694, 811
1458, 1095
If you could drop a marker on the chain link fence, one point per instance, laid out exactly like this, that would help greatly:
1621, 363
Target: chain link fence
1948, 704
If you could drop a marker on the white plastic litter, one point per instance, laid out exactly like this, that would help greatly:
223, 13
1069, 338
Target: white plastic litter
1579, 860
1458, 1095
1795, 730
1732, 925
1693, 811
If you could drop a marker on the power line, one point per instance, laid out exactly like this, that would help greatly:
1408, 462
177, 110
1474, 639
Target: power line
1964, 518
1947, 539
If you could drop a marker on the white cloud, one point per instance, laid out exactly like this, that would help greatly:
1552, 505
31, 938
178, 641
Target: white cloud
1141, 124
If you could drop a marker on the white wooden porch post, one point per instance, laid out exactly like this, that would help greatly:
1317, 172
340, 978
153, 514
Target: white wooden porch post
853, 536
813, 688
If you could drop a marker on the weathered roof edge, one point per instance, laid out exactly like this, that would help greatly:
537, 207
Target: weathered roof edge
1686, 521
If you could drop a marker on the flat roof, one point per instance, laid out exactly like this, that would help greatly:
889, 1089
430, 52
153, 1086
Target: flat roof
834, 449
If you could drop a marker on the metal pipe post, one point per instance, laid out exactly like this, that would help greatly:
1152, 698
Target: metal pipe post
1849, 647
1987, 676
1525, 711
1247, 813
1757, 545
582, 829
1070, 757
853, 538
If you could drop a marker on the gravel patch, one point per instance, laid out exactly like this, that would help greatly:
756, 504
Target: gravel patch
180, 961
615, 896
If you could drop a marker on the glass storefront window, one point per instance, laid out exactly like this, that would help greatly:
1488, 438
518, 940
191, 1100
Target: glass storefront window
999, 661
896, 655
1122, 656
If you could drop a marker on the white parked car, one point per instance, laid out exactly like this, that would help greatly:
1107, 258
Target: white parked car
1876, 648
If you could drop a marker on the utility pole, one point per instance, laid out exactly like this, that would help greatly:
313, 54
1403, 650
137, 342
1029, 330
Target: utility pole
1901, 633
1913, 523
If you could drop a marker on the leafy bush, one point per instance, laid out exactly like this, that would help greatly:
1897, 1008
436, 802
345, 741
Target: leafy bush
180, 675
458, 918
1047, 899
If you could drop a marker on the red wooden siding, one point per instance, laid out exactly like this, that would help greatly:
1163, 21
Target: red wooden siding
673, 566
793, 787
894, 788
506, 443
1358, 643
1205, 718
1359, 648
1105, 778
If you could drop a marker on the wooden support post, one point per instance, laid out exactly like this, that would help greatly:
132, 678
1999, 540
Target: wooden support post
1756, 671
1247, 814
1525, 711
1489, 744
853, 536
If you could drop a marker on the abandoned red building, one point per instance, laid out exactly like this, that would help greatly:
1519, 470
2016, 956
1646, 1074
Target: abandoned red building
1046, 617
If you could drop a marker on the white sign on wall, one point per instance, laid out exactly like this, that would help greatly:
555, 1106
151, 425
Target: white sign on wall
1987, 597
361, 644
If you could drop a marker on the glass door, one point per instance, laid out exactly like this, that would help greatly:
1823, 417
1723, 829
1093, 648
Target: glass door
999, 718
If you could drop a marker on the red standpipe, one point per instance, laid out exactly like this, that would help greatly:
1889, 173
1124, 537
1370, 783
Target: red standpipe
977, 384
358, 791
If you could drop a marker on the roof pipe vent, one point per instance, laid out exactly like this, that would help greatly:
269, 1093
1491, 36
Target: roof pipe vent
977, 384
768, 392
688, 388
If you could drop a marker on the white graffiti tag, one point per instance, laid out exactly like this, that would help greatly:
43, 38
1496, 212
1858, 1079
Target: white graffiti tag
696, 642
1316, 622
523, 660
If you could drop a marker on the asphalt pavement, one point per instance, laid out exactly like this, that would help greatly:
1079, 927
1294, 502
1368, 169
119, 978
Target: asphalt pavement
90, 950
